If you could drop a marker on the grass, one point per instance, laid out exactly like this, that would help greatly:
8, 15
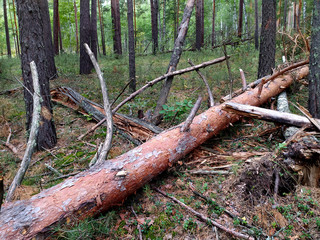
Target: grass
158, 217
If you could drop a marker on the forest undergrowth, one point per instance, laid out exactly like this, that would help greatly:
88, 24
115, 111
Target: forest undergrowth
294, 214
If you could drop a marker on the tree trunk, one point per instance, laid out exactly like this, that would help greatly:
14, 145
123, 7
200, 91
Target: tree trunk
93, 29
132, 61
16, 27
174, 58
56, 26
6, 27
294, 14
35, 49
199, 24
256, 32
314, 81
164, 25
103, 42
115, 14
76, 23
154, 24
85, 62
98, 189
213, 34
267, 38
16, 41
240, 19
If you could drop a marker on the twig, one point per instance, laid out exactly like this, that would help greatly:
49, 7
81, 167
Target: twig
308, 115
276, 184
216, 232
33, 133
229, 70
52, 169
165, 76
121, 92
139, 228
107, 143
211, 99
91, 129
63, 176
206, 219
209, 172
243, 80
187, 123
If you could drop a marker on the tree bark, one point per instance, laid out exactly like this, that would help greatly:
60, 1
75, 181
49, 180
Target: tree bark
132, 61
115, 14
103, 42
240, 19
56, 26
98, 189
199, 24
34, 48
175, 57
93, 29
267, 38
314, 81
213, 34
164, 26
154, 24
85, 63
6, 27
76, 23
16, 27
256, 31
285, 15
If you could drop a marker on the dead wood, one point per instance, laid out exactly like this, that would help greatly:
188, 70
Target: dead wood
102, 187
206, 219
31, 145
106, 107
165, 76
194, 110
211, 99
208, 172
267, 114
135, 128
243, 80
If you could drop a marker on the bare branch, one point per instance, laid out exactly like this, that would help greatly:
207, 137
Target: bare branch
187, 123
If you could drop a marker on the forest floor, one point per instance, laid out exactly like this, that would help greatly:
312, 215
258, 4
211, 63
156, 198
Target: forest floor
244, 147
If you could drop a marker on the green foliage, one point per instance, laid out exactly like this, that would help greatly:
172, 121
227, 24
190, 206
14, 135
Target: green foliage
189, 224
176, 112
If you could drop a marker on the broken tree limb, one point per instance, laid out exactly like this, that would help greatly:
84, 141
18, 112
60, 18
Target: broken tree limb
175, 57
194, 110
211, 99
106, 107
167, 75
139, 130
109, 184
243, 80
206, 219
31, 145
267, 114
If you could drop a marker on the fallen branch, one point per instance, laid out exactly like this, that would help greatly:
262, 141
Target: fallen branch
211, 99
243, 80
170, 74
108, 141
101, 187
185, 127
206, 219
267, 114
32, 137
138, 226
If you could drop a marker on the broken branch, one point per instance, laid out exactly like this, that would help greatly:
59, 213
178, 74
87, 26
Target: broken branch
186, 126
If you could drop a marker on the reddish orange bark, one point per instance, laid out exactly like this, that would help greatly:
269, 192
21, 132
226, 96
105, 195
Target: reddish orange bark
98, 189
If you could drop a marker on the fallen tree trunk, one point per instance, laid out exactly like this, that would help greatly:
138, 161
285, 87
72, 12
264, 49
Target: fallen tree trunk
138, 130
99, 188
267, 114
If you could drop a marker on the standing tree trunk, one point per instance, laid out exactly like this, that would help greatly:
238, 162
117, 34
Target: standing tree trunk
213, 34
93, 29
240, 19
85, 62
132, 61
256, 32
314, 81
267, 38
199, 24
177, 51
103, 42
76, 23
16, 27
15, 40
56, 26
164, 26
33, 18
115, 14
6, 27
285, 15
154, 24
294, 14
